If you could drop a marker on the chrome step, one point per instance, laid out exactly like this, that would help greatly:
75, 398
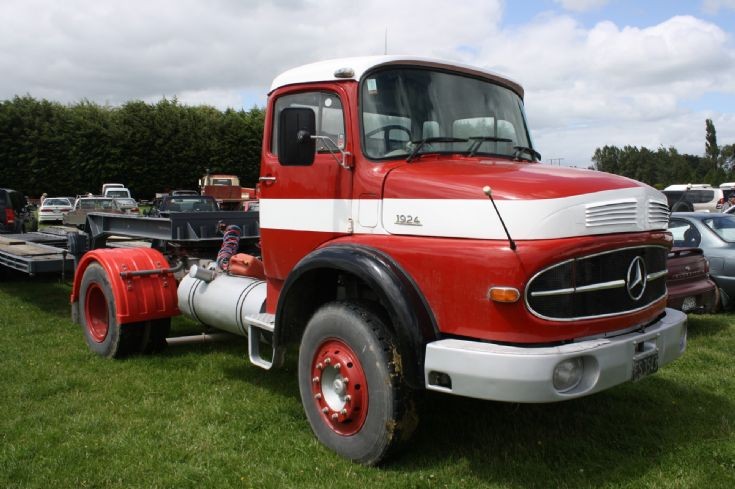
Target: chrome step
260, 331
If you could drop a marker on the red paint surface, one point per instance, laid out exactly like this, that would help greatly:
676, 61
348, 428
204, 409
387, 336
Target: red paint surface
136, 298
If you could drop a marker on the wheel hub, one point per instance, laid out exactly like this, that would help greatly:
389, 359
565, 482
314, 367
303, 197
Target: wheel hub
97, 314
339, 387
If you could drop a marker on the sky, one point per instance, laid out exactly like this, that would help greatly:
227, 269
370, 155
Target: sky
595, 72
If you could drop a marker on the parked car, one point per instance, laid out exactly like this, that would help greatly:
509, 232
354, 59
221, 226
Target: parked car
84, 205
129, 206
688, 282
714, 233
163, 206
694, 198
117, 193
54, 208
16, 214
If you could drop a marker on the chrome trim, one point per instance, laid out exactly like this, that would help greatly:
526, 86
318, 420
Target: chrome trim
585, 257
613, 284
655, 275
553, 292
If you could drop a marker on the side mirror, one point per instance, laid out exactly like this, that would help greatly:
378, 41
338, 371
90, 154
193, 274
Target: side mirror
295, 145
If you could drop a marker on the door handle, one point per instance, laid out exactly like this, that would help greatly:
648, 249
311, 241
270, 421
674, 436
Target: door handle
267, 179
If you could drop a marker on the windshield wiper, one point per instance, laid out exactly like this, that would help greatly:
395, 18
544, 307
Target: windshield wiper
422, 142
478, 140
519, 150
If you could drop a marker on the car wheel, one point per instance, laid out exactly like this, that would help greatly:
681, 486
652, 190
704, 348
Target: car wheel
351, 384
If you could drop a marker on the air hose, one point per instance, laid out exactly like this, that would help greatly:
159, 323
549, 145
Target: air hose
230, 243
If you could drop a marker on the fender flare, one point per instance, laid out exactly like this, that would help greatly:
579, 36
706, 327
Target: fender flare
412, 319
139, 298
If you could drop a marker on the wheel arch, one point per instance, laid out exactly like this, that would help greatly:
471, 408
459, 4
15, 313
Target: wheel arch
409, 315
139, 298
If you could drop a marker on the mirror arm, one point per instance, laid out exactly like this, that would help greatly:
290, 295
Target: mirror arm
345, 162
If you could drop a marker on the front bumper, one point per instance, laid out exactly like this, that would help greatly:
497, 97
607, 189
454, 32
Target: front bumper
524, 374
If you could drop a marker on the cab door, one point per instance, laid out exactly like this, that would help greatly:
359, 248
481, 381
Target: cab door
307, 204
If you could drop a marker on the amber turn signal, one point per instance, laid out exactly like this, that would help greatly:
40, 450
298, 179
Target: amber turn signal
503, 294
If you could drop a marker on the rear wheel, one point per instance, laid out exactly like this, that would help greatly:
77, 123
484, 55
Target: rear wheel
351, 383
104, 335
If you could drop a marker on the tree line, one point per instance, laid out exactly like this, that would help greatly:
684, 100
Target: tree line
666, 166
72, 149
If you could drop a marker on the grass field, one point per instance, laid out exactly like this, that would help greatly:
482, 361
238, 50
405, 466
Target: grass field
201, 416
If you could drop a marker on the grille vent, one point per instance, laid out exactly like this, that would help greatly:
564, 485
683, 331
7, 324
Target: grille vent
621, 212
597, 285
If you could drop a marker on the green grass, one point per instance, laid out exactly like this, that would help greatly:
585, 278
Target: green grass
201, 416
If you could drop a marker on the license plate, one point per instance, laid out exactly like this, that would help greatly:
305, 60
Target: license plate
690, 303
643, 367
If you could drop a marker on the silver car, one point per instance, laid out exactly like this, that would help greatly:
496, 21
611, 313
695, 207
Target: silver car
714, 233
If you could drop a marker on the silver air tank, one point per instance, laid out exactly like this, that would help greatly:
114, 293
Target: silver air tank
219, 300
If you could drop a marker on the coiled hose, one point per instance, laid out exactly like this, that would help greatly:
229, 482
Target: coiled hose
230, 243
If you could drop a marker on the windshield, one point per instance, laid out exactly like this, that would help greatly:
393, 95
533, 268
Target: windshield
404, 106
723, 226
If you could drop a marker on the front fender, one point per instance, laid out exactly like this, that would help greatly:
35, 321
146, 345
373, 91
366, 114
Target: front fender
411, 317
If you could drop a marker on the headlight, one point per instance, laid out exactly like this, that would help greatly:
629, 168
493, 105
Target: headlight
568, 374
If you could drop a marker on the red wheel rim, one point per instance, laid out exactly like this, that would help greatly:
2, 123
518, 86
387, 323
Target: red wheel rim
96, 313
339, 387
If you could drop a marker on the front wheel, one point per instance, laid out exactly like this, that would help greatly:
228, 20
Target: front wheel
351, 383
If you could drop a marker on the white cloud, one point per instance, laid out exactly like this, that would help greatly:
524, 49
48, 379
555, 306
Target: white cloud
581, 5
586, 86
139, 49
612, 85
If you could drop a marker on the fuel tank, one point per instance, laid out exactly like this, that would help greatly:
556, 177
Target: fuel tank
223, 302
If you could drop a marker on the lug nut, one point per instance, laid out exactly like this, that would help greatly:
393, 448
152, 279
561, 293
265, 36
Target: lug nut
327, 360
338, 365
315, 379
319, 366
317, 395
343, 412
345, 380
335, 416
348, 398
325, 410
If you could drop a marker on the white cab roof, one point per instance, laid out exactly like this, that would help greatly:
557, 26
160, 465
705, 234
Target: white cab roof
325, 70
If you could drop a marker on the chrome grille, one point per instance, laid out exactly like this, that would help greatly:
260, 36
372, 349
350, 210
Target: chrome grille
615, 213
599, 285
658, 214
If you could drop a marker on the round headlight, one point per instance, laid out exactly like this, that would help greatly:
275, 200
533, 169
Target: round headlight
568, 374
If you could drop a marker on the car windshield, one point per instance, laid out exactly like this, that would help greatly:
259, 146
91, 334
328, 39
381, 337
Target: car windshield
443, 112
117, 193
190, 204
98, 204
723, 226
52, 201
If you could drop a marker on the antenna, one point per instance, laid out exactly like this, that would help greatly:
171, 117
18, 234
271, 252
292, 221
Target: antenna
489, 192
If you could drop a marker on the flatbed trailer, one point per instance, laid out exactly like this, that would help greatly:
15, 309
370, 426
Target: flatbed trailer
35, 253
48, 251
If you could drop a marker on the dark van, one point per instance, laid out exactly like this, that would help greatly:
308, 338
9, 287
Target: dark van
16, 216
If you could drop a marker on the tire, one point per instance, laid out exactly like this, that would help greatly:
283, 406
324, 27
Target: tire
366, 417
682, 207
103, 334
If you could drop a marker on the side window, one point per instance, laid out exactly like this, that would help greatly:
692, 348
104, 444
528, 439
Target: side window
329, 118
685, 235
